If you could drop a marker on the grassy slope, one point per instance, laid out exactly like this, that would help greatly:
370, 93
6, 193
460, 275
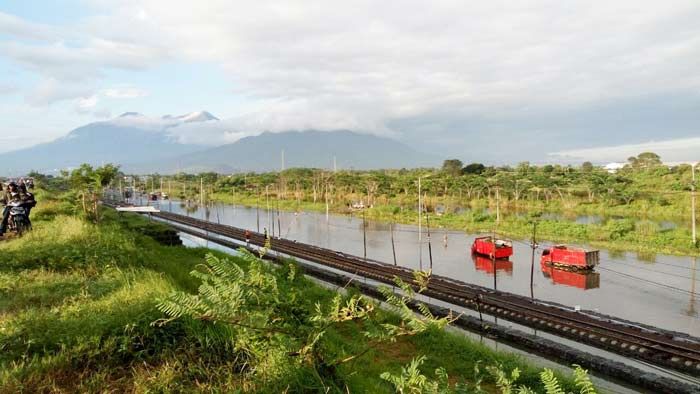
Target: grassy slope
76, 307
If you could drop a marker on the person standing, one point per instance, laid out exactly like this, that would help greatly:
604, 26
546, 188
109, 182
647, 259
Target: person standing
11, 195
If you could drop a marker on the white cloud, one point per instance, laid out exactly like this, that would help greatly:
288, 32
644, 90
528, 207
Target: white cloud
675, 150
362, 60
87, 103
364, 64
15, 26
124, 92
51, 90
102, 113
7, 88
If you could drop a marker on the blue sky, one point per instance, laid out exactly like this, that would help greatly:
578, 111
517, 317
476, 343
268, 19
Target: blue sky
494, 82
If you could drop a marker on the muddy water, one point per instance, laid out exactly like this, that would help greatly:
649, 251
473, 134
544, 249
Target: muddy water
659, 290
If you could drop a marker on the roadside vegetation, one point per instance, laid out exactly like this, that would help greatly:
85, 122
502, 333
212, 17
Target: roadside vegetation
95, 302
644, 207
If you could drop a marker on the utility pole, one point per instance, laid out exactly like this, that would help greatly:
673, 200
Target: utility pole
267, 205
532, 261
498, 205
364, 233
282, 159
279, 221
327, 206
393, 247
335, 165
493, 259
420, 228
201, 191
692, 204
257, 211
430, 248
691, 306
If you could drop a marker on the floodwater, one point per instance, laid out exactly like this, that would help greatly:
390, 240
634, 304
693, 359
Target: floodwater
659, 290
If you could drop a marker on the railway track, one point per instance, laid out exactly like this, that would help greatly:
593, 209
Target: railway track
669, 350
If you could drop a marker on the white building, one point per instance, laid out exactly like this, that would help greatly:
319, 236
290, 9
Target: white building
614, 167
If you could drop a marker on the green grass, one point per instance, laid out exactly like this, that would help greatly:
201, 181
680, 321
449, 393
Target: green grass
77, 307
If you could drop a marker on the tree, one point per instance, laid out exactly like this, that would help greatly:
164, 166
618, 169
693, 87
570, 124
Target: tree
645, 160
523, 167
587, 167
452, 166
89, 183
474, 168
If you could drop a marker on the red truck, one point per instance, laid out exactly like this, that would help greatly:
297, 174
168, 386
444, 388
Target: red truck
566, 256
584, 280
484, 246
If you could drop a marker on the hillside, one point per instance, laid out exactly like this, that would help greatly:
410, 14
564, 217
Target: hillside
301, 149
128, 138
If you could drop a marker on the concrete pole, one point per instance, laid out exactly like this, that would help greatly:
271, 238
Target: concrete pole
692, 205
498, 205
420, 228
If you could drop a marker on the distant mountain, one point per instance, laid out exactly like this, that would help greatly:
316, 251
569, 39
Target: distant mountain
301, 149
129, 138
145, 144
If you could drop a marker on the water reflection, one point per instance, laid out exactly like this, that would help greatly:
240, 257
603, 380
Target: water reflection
647, 257
485, 264
579, 279
691, 311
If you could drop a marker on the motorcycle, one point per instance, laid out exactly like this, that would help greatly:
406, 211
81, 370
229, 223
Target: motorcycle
19, 219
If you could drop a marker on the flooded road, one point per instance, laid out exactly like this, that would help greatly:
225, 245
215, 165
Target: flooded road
658, 290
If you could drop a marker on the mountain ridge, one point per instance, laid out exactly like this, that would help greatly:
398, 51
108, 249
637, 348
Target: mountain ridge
146, 144
306, 148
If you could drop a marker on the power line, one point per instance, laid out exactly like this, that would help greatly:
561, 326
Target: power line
649, 281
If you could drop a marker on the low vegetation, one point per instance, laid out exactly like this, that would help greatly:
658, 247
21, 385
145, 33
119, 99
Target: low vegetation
644, 207
95, 303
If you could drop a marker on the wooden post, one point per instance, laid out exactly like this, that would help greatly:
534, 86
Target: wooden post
393, 247
532, 261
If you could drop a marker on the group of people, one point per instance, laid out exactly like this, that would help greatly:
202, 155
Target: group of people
15, 194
